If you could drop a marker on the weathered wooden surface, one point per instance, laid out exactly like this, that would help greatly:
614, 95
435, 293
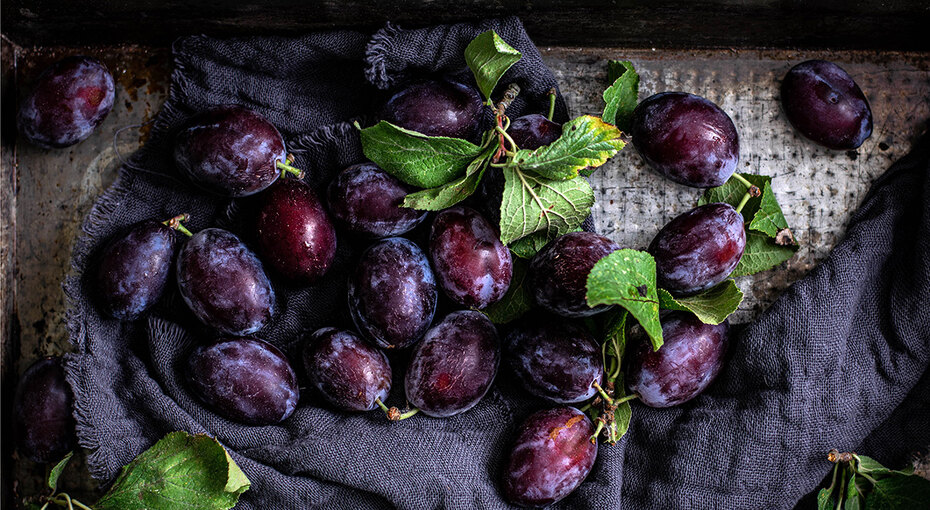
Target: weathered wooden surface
857, 24
49, 192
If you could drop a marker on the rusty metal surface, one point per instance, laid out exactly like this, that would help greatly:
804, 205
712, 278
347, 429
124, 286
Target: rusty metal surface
49, 192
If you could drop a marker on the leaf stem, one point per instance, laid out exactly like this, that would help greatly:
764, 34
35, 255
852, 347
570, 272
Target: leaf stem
513, 144
286, 168
175, 223
743, 180
551, 103
626, 399
839, 499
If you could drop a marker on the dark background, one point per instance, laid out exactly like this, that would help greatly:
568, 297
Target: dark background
854, 24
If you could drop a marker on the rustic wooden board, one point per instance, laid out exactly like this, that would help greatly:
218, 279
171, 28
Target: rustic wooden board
45, 194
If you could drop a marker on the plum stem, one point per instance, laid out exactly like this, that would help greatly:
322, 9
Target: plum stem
597, 431
394, 413
286, 168
602, 393
175, 223
551, 104
513, 144
743, 202
751, 188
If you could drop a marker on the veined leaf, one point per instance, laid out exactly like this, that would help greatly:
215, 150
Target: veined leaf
586, 142
768, 217
417, 159
628, 278
489, 57
447, 195
712, 306
179, 471
761, 253
534, 204
622, 95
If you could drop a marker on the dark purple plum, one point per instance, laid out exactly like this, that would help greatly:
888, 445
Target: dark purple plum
558, 274
67, 102
472, 265
684, 366
686, 138
533, 131
231, 151
348, 372
555, 359
436, 108
224, 284
698, 249
825, 105
133, 270
43, 424
552, 455
367, 200
245, 380
293, 232
393, 294
454, 365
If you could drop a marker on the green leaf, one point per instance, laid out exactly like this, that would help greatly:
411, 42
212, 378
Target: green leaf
761, 253
712, 306
732, 192
180, 471
534, 204
516, 301
56, 471
621, 97
768, 218
870, 466
447, 195
826, 498
628, 278
489, 57
898, 491
417, 159
586, 142
854, 500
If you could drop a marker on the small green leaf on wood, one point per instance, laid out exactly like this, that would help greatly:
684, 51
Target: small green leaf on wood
732, 192
489, 57
628, 278
622, 95
586, 142
534, 204
179, 471
516, 301
762, 253
417, 159
712, 306
447, 195
56, 471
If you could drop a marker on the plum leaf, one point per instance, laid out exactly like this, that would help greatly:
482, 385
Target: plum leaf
489, 57
622, 95
586, 142
535, 204
712, 306
628, 278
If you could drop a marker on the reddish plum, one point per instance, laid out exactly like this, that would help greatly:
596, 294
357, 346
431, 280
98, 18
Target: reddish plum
245, 380
686, 138
224, 284
698, 249
293, 232
454, 365
558, 274
67, 102
684, 366
552, 455
472, 265
367, 200
392, 295
348, 372
43, 426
